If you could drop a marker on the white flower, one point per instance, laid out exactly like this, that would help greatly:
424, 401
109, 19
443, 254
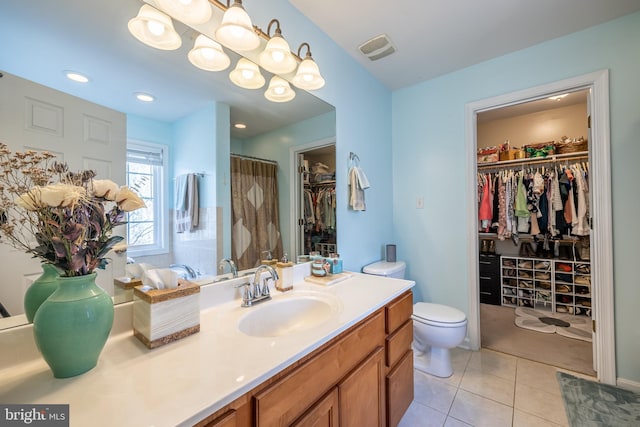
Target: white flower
61, 195
57, 195
105, 188
128, 201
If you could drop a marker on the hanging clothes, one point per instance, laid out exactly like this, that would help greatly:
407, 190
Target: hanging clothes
545, 203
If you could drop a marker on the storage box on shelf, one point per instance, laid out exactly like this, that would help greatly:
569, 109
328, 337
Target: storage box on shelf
555, 285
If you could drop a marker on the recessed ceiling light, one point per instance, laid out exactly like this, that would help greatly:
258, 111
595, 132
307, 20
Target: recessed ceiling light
76, 77
240, 126
558, 97
145, 97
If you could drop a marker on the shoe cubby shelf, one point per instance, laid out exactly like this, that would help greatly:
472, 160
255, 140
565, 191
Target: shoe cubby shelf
548, 284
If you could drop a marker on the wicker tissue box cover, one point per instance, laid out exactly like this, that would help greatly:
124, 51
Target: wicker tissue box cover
161, 316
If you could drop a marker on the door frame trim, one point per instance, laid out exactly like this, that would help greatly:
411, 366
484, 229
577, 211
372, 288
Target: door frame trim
294, 187
600, 190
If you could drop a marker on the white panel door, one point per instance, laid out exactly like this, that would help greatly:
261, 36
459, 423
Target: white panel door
83, 134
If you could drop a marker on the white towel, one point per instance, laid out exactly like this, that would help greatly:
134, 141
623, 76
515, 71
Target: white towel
188, 218
356, 194
362, 178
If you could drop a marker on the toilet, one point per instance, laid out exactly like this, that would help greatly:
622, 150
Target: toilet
437, 328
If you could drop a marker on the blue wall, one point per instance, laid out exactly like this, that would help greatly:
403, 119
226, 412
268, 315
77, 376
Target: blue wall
429, 160
363, 125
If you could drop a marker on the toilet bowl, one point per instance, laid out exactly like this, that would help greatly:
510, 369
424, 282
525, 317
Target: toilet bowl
436, 329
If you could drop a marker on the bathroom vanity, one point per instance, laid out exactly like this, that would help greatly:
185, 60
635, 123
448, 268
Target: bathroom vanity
350, 363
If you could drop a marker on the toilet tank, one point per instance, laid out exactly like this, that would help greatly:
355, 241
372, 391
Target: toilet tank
387, 269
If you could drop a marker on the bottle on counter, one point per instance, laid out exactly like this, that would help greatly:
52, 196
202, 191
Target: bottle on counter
285, 274
335, 263
268, 259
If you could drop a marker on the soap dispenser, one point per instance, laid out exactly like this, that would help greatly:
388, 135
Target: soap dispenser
268, 259
285, 274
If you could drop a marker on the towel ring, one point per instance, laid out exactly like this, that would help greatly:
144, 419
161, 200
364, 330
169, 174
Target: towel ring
354, 160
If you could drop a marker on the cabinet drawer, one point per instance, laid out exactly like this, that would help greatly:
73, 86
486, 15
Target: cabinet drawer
288, 398
399, 389
398, 311
399, 343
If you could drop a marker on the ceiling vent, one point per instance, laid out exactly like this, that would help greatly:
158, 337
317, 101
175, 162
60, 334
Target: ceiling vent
377, 47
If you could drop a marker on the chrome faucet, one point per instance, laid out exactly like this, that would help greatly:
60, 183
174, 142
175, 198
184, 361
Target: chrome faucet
254, 292
191, 273
232, 266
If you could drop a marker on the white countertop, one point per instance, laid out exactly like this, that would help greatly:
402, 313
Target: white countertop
183, 382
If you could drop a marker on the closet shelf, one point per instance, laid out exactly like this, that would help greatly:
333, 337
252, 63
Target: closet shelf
554, 158
528, 237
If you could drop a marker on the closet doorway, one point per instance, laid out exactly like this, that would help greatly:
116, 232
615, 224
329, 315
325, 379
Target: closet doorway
315, 225
595, 86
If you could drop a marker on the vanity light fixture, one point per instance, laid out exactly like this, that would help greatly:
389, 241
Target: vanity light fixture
279, 90
155, 29
236, 30
308, 75
76, 77
208, 55
144, 97
247, 75
276, 56
188, 11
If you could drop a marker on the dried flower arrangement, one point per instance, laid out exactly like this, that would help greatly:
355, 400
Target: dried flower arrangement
64, 218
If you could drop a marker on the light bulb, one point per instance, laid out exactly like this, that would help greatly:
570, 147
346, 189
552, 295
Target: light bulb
279, 90
208, 53
248, 74
277, 55
156, 28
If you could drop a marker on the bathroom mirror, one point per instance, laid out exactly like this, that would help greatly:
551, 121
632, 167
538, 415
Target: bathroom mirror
40, 40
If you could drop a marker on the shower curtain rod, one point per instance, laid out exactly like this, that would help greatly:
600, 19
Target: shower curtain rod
241, 156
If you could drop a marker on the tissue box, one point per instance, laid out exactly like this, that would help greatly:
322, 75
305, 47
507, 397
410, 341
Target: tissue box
161, 316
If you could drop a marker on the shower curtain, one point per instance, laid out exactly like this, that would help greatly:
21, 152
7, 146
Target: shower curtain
254, 211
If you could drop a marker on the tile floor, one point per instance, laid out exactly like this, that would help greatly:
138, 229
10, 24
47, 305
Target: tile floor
488, 388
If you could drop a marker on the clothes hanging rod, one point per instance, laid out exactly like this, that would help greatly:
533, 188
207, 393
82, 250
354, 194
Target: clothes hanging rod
532, 161
241, 156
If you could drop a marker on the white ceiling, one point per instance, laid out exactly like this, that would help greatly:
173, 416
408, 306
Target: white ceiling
435, 37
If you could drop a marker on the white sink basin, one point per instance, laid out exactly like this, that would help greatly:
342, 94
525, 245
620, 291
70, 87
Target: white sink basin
289, 315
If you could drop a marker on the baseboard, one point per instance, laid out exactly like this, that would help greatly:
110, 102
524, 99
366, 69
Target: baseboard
628, 384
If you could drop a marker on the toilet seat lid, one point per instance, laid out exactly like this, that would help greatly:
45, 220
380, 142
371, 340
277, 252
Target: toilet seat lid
438, 313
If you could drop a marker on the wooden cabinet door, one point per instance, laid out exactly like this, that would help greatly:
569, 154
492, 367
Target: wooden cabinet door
399, 389
227, 420
362, 394
322, 414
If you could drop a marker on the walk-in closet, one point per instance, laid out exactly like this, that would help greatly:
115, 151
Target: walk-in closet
319, 200
534, 228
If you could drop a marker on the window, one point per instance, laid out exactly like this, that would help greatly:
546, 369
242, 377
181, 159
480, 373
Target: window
146, 169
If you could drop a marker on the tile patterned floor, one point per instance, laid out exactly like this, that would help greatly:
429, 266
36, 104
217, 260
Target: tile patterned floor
488, 388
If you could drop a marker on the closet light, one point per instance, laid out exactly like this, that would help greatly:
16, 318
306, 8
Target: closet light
247, 75
154, 29
279, 90
308, 75
188, 11
236, 30
277, 57
208, 55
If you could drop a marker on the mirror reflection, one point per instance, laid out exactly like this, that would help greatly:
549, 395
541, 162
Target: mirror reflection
101, 125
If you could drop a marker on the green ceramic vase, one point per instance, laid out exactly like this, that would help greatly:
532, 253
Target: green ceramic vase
40, 290
72, 326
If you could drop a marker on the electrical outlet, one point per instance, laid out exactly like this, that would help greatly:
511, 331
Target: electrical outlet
420, 202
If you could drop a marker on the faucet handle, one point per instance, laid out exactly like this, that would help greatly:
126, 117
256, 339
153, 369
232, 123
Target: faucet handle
265, 287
